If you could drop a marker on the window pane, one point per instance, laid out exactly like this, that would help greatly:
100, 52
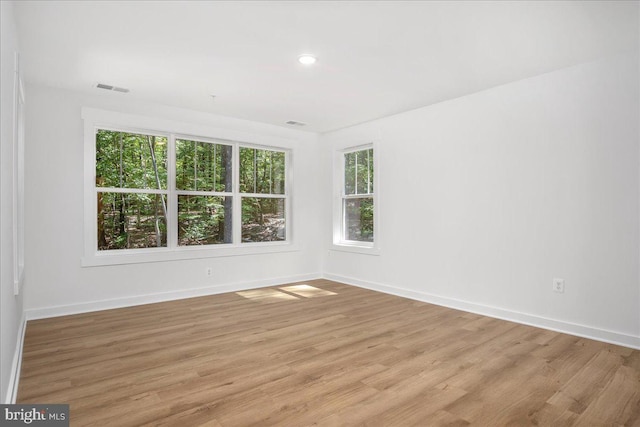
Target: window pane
262, 219
358, 218
128, 160
204, 220
358, 172
203, 166
262, 171
349, 173
128, 221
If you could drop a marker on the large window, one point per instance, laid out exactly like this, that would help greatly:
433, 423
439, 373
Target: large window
355, 218
156, 191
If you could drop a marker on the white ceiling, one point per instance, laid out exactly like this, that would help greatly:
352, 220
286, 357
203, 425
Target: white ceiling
374, 58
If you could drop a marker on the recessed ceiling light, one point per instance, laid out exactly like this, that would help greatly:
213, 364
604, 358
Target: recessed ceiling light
307, 59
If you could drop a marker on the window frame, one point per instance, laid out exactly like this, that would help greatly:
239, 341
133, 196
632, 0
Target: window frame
340, 243
109, 120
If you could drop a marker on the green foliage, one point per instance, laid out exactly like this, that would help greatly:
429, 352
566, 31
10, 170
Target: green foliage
358, 172
358, 179
263, 219
359, 219
203, 166
126, 160
262, 171
201, 220
130, 220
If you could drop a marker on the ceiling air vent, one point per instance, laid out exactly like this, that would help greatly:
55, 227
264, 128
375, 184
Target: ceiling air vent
113, 88
294, 123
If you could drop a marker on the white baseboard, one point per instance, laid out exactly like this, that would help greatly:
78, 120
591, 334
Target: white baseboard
14, 378
64, 310
604, 335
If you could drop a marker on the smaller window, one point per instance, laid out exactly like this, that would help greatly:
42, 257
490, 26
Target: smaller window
358, 197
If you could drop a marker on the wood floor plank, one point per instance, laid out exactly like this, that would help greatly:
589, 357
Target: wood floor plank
321, 353
623, 389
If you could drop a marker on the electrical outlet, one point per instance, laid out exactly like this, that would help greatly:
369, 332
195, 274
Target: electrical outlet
558, 285
209, 271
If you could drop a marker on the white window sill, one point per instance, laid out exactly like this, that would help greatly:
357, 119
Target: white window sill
355, 248
137, 256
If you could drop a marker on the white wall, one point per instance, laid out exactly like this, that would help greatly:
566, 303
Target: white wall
486, 198
10, 306
56, 281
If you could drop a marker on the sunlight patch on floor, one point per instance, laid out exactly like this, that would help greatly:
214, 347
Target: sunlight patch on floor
307, 291
266, 295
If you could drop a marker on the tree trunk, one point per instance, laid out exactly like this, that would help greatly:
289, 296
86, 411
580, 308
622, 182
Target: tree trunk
121, 215
227, 231
261, 210
122, 218
152, 143
157, 223
195, 165
102, 238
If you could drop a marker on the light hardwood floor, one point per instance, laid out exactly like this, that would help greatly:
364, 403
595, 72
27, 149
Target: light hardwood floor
324, 354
